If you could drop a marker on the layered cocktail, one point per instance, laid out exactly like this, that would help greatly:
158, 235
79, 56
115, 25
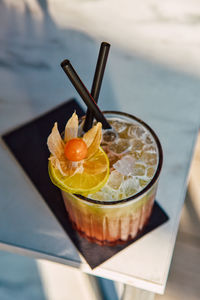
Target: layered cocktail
108, 177
121, 188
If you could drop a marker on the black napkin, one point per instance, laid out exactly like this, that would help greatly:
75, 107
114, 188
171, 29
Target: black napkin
28, 144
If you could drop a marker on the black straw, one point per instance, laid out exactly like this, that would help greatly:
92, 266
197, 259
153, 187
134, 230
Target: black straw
97, 81
84, 93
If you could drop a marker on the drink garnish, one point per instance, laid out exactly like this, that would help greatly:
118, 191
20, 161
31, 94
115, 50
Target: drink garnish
75, 149
77, 164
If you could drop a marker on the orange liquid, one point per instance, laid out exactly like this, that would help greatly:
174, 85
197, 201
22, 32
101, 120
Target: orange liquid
113, 225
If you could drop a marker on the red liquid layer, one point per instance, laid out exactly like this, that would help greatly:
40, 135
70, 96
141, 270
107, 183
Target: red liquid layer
110, 225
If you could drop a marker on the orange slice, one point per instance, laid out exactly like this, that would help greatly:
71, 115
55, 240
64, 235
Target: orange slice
94, 175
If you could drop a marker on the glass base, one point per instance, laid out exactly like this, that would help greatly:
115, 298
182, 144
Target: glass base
105, 242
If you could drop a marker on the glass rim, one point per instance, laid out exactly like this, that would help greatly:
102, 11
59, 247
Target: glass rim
155, 176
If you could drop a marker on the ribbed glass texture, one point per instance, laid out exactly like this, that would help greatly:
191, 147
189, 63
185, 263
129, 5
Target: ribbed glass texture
110, 224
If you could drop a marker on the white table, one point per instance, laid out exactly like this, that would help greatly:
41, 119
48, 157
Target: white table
33, 44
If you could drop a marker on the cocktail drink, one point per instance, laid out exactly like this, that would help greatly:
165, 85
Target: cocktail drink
108, 178
119, 209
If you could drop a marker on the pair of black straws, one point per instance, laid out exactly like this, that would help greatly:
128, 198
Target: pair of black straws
90, 99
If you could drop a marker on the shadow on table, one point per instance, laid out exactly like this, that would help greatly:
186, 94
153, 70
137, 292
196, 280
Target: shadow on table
32, 49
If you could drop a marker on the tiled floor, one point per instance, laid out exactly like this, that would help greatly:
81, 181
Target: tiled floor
22, 278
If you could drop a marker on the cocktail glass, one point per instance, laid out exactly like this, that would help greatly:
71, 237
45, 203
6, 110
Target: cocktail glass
108, 221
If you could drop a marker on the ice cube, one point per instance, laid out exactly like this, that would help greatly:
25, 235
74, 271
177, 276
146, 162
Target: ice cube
139, 132
143, 183
109, 136
148, 139
130, 186
97, 196
149, 158
115, 179
137, 145
150, 148
150, 172
119, 126
132, 130
119, 146
125, 165
112, 158
139, 169
109, 194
